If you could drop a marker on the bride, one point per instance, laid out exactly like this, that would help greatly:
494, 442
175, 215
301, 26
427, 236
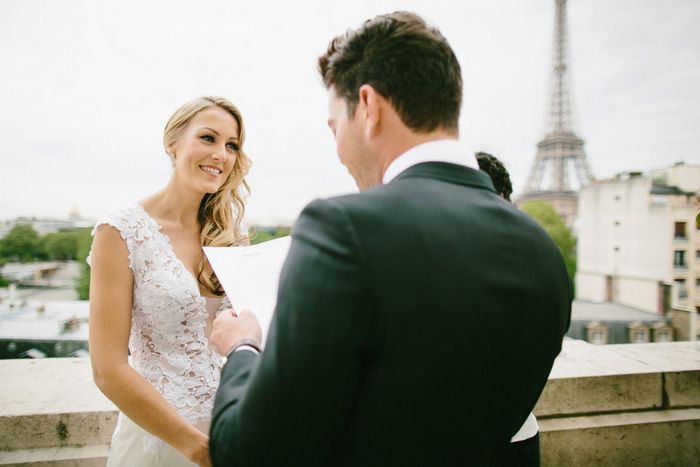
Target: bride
153, 293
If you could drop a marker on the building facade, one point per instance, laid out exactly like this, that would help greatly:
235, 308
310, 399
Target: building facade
612, 323
638, 240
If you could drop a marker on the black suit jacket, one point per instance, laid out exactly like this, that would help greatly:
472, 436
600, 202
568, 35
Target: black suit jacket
416, 324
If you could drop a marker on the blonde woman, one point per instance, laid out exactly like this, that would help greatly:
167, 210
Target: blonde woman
153, 293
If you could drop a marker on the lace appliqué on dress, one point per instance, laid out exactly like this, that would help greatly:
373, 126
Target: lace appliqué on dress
167, 342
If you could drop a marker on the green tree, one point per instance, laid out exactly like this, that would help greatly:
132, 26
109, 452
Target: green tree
84, 242
261, 236
68, 244
20, 244
61, 245
545, 215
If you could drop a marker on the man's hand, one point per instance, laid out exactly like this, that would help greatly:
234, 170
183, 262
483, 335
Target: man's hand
229, 328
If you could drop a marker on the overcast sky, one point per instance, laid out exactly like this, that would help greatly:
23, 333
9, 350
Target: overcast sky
86, 87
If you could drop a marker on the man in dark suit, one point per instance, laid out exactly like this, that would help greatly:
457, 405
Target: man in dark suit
416, 321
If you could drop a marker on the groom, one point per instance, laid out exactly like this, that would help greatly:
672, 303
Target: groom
418, 320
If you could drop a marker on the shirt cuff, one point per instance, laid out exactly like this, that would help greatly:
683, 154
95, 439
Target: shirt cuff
247, 347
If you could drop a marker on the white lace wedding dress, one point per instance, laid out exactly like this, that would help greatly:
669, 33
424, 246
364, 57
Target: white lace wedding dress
168, 344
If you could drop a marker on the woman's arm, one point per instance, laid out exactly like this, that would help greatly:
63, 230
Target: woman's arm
111, 286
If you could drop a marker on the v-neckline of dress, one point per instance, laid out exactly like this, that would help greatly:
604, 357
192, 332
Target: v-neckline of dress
171, 249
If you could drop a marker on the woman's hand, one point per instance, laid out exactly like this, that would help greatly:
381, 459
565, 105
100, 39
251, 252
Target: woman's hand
230, 328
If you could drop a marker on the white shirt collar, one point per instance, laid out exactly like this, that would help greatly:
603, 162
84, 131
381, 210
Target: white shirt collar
444, 150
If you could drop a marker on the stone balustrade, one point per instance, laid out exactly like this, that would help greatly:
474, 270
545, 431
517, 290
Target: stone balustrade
616, 405
622, 405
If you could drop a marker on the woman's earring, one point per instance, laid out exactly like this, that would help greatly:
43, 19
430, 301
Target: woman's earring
172, 158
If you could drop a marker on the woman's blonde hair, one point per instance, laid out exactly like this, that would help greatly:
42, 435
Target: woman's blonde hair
221, 213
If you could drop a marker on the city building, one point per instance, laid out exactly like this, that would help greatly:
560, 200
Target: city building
639, 241
44, 226
612, 323
40, 315
38, 329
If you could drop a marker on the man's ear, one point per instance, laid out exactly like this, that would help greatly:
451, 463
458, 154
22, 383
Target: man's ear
369, 106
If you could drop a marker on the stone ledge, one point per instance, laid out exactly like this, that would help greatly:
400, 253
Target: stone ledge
602, 404
614, 378
49, 386
52, 402
680, 364
657, 438
56, 430
615, 393
667, 357
70, 456
682, 389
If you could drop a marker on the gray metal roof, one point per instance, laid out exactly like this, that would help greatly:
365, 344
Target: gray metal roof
608, 311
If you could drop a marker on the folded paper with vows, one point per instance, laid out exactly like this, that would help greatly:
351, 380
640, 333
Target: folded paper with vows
250, 275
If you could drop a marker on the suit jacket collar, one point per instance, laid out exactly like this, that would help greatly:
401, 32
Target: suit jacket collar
444, 150
448, 172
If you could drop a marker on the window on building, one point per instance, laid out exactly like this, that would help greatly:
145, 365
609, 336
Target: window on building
660, 179
679, 259
682, 290
598, 337
663, 332
640, 336
663, 336
697, 255
597, 333
697, 283
638, 332
680, 231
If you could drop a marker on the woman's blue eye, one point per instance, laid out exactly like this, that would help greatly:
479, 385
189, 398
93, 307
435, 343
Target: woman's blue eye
232, 146
209, 138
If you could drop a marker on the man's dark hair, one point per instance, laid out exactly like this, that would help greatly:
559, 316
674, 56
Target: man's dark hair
404, 60
497, 172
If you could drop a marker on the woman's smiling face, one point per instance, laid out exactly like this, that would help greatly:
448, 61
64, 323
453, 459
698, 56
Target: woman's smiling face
206, 151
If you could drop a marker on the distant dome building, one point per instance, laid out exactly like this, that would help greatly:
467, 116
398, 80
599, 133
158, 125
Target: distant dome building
74, 214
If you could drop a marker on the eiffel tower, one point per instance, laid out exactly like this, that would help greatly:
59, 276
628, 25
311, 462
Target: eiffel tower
561, 147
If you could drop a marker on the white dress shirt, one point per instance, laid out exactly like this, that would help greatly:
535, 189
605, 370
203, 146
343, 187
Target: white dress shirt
444, 150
